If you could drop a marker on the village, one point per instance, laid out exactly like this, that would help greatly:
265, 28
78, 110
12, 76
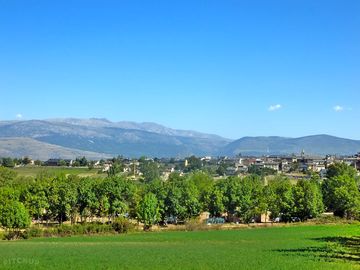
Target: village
294, 166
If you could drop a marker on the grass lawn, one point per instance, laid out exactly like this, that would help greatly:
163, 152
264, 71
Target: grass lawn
293, 247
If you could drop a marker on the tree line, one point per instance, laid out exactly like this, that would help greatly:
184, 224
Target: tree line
59, 198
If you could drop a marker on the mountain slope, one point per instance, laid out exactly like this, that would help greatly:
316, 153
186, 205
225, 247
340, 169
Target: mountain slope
71, 137
122, 138
316, 144
20, 147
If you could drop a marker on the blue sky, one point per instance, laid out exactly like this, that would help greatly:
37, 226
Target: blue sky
234, 68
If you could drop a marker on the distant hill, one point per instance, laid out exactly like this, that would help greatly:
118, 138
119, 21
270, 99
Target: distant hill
104, 137
96, 138
316, 145
20, 147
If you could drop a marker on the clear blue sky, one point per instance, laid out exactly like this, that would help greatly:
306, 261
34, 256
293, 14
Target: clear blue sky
234, 68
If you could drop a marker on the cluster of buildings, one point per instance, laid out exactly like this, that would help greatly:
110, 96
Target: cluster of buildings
293, 165
288, 164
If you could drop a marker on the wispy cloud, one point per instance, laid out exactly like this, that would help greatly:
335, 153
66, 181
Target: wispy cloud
19, 116
338, 108
275, 107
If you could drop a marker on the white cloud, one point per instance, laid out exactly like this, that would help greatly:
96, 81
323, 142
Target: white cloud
19, 116
275, 107
338, 108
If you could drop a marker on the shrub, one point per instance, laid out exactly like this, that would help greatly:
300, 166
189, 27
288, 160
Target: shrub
33, 232
14, 235
122, 225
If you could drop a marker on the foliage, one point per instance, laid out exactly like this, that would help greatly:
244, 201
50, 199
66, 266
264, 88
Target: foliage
56, 196
122, 225
7, 176
338, 169
62, 198
150, 170
341, 195
8, 162
250, 198
308, 201
194, 163
182, 198
87, 201
148, 211
35, 199
260, 171
280, 198
216, 203
80, 162
13, 215
204, 184
117, 195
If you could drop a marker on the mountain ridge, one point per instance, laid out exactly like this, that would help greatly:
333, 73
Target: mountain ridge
99, 137
318, 144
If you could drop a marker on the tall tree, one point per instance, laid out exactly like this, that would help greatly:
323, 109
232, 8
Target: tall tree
13, 215
150, 170
148, 211
308, 201
280, 200
341, 195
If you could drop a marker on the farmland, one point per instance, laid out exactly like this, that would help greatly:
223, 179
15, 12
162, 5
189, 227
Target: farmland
290, 247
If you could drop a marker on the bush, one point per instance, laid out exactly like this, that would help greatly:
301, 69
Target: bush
64, 230
96, 228
324, 219
14, 235
122, 225
33, 232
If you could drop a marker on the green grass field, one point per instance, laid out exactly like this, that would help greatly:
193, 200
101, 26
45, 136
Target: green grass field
293, 247
35, 170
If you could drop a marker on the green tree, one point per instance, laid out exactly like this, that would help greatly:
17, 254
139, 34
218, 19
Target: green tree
280, 198
62, 198
38, 162
204, 184
216, 205
261, 171
250, 198
26, 160
341, 195
230, 190
158, 188
308, 201
87, 200
62, 163
117, 167
194, 163
9, 194
35, 200
8, 162
13, 215
119, 193
83, 162
182, 198
221, 169
337, 169
150, 170
148, 211
7, 177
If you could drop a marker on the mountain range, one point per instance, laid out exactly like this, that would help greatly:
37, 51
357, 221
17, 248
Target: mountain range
100, 138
